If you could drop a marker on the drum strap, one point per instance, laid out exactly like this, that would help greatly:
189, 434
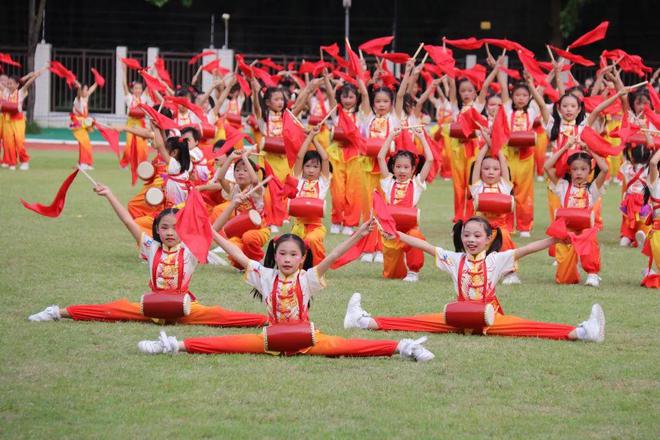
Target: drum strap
513, 119
461, 294
635, 178
276, 119
156, 263
408, 198
567, 196
302, 311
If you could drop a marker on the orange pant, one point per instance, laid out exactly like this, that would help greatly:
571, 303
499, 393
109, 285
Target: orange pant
13, 137
652, 280
326, 345
371, 183
252, 244
522, 177
539, 151
140, 144
145, 223
345, 187
460, 173
313, 234
505, 325
507, 242
85, 146
124, 310
399, 258
567, 263
217, 211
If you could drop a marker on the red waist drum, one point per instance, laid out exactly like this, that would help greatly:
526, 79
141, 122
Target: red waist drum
9, 107
522, 139
289, 337
136, 112
405, 217
208, 131
494, 203
315, 120
373, 146
165, 305
154, 196
469, 314
307, 207
274, 144
339, 135
146, 170
242, 223
456, 131
576, 218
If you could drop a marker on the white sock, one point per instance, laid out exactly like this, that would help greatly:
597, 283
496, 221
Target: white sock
581, 332
364, 321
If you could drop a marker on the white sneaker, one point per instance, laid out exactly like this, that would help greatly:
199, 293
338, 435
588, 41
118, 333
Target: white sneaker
12, 168
624, 242
335, 229
347, 230
511, 278
218, 250
594, 327
215, 260
24, 166
354, 312
540, 179
525, 234
274, 229
51, 313
164, 344
411, 277
555, 263
593, 280
413, 349
378, 257
640, 236
367, 257
4, 165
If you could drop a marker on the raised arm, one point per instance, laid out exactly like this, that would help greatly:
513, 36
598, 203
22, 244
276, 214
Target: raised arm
159, 144
325, 161
452, 92
342, 248
599, 181
124, 83
545, 114
32, 78
593, 116
403, 89
481, 98
332, 101
365, 105
298, 166
428, 154
382, 153
476, 173
534, 246
256, 102
121, 212
430, 90
549, 165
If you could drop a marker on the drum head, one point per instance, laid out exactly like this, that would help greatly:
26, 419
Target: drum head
145, 170
489, 315
154, 196
254, 217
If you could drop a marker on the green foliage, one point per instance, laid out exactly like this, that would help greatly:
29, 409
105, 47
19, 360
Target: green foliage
570, 16
87, 380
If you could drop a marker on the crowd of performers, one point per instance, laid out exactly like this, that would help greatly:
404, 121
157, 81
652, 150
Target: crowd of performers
375, 141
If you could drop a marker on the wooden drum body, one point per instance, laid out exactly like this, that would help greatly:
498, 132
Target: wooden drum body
307, 207
165, 305
405, 217
289, 337
576, 218
242, 223
469, 314
522, 139
494, 203
274, 144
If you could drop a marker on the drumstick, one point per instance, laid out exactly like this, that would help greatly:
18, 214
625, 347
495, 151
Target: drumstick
421, 45
263, 182
415, 126
488, 51
87, 175
328, 115
638, 85
424, 59
552, 56
650, 130
295, 118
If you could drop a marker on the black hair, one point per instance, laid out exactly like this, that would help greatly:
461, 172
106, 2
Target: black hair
235, 88
408, 103
179, 144
193, 130
482, 161
459, 101
521, 85
156, 223
554, 132
639, 93
269, 258
345, 90
311, 155
580, 155
637, 154
269, 92
457, 231
577, 88
183, 92
219, 144
163, 110
387, 91
416, 162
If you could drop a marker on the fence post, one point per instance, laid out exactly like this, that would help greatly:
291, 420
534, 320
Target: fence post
120, 108
42, 57
152, 54
470, 61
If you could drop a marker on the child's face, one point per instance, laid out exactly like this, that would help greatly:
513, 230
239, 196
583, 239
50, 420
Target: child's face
137, 89
348, 100
312, 169
520, 98
288, 257
276, 102
3, 80
467, 92
492, 105
569, 107
241, 175
84, 92
639, 103
12, 84
491, 171
192, 143
474, 238
580, 170
402, 168
382, 103
167, 232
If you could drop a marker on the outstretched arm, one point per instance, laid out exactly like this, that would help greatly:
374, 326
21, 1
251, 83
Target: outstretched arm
342, 248
121, 212
417, 243
534, 246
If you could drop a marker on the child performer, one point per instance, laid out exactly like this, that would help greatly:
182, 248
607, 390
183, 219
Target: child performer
575, 191
312, 169
403, 186
133, 97
652, 244
347, 168
171, 265
475, 269
286, 283
634, 210
491, 175
79, 125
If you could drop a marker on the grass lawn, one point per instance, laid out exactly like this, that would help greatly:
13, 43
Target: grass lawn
87, 380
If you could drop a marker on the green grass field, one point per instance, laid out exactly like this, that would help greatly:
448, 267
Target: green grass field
87, 380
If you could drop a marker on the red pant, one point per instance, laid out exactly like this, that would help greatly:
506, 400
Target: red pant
399, 258
123, 310
505, 325
567, 262
325, 346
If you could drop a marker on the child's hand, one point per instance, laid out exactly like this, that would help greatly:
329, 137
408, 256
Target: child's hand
396, 132
315, 129
235, 155
102, 190
366, 227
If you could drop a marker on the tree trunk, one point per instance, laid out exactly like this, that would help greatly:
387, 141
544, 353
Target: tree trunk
34, 27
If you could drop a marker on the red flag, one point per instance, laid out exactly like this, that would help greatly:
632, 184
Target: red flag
557, 229
375, 46
231, 141
500, 133
441, 56
395, 57
159, 64
470, 121
511, 72
352, 254
58, 69
655, 98
533, 68
652, 116
200, 55
465, 43
131, 63
333, 51
355, 66
247, 70
153, 82
551, 93
599, 145
214, 66
185, 102
193, 227
404, 141
276, 211
345, 123
573, 57
476, 74
245, 87
55, 208
98, 78
159, 119
6, 58
508, 45
596, 34
349, 79
306, 67
110, 135
264, 76
267, 62
383, 215
293, 135
591, 102
626, 130
437, 147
